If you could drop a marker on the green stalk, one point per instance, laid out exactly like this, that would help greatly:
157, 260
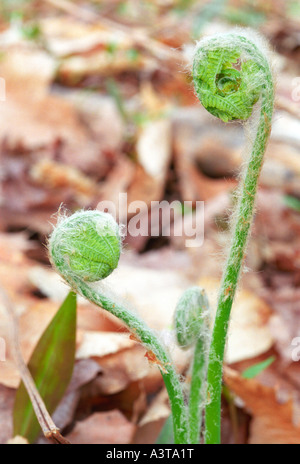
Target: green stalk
229, 91
197, 391
147, 337
231, 278
192, 322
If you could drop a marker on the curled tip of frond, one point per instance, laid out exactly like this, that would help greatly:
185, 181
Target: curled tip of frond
231, 71
86, 245
191, 316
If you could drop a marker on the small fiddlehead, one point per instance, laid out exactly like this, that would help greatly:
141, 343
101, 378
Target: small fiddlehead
76, 250
231, 73
191, 317
85, 248
192, 328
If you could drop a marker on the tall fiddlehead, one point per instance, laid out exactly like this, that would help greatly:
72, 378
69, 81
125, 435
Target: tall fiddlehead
231, 74
85, 248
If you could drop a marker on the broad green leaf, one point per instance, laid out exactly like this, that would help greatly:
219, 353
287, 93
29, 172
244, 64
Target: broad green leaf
51, 366
257, 369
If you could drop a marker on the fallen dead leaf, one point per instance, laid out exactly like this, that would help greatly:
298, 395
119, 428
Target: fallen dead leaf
35, 120
103, 428
99, 344
75, 68
56, 175
159, 409
154, 148
66, 36
121, 369
273, 422
151, 423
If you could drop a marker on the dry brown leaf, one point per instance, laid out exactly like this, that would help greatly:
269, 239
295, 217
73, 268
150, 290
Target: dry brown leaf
118, 181
273, 422
158, 410
145, 188
100, 114
84, 49
153, 420
27, 64
34, 119
66, 36
154, 149
99, 344
154, 103
103, 428
75, 68
56, 175
121, 369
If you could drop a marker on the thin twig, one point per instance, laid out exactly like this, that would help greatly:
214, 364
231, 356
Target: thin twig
50, 431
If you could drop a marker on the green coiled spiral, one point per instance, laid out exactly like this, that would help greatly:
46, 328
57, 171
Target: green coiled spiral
87, 245
190, 314
229, 76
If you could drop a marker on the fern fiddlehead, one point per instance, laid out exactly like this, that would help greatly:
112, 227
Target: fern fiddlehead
232, 73
85, 248
192, 328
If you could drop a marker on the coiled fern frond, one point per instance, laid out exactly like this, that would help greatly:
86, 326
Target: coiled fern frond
230, 73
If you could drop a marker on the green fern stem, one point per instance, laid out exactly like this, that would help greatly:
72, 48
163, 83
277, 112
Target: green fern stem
197, 391
192, 328
85, 248
238, 74
149, 340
